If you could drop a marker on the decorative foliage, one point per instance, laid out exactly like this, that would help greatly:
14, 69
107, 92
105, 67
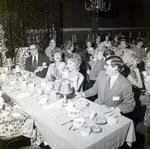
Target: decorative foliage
21, 54
30, 22
3, 48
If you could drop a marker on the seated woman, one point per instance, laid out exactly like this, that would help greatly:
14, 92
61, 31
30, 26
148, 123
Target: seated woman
73, 62
121, 48
145, 97
130, 71
55, 69
90, 50
68, 48
106, 43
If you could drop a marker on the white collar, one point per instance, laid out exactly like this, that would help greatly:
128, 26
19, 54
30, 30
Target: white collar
35, 56
113, 79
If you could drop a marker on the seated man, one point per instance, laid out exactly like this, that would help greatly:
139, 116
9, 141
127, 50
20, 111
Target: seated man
37, 62
113, 89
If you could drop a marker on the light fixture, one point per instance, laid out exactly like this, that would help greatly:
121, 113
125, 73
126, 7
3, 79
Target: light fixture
64, 89
98, 5
9, 64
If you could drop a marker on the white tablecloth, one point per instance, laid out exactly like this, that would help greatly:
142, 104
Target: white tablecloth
57, 136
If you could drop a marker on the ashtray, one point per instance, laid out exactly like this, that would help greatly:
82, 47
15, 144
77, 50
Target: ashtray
100, 120
96, 129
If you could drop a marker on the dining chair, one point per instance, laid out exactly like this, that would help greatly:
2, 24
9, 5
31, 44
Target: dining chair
17, 142
14, 143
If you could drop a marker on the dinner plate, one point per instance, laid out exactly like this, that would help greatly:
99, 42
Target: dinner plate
74, 114
78, 123
100, 120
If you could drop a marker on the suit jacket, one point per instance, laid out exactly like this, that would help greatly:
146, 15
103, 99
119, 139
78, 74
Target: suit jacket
114, 42
95, 44
120, 95
41, 59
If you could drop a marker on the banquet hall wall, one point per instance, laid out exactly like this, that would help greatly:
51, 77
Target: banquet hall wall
71, 21
129, 17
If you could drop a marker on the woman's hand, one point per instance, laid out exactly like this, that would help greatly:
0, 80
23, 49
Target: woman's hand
79, 94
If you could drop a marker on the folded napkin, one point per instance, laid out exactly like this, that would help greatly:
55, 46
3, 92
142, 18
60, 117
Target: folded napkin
23, 95
113, 114
111, 117
56, 113
111, 120
52, 105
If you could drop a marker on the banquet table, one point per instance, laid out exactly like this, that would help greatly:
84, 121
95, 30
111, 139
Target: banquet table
50, 117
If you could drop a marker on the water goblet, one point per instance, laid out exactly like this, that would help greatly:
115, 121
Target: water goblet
85, 113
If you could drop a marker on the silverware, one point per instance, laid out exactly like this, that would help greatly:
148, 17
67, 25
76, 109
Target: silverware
70, 127
107, 112
66, 122
15, 90
64, 114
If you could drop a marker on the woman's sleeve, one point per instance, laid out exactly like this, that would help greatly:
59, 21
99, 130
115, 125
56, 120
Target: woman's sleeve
49, 71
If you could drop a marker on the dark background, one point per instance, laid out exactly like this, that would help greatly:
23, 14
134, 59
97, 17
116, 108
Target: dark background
28, 22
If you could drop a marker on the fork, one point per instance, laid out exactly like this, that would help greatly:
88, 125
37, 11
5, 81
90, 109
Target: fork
66, 122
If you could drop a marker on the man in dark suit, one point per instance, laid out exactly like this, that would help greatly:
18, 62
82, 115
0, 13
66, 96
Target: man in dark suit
37, 62
117, 94
96, 42
115, 41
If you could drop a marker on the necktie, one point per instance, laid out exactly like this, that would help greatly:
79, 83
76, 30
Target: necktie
34, 63
107, 86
